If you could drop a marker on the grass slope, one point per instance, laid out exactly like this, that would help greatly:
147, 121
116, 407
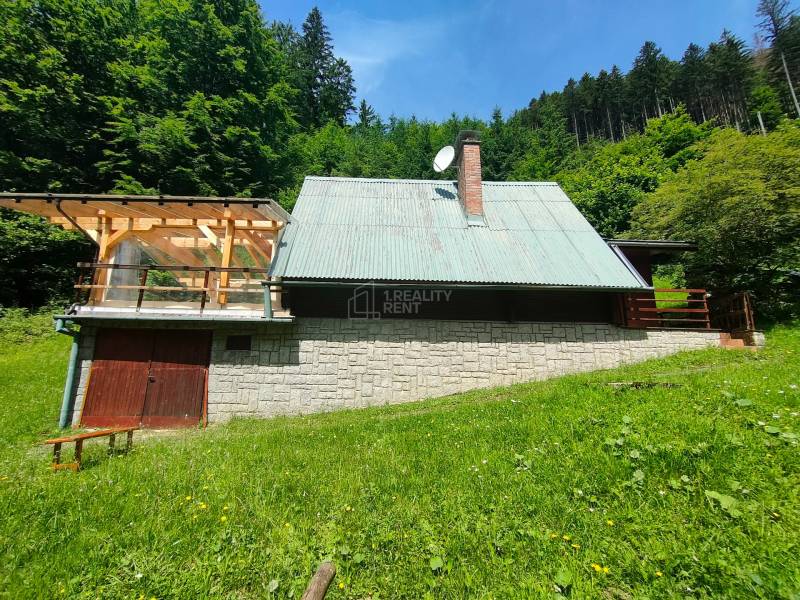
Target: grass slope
502, 493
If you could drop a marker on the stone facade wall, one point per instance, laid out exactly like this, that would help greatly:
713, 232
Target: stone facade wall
319, 365
85, 355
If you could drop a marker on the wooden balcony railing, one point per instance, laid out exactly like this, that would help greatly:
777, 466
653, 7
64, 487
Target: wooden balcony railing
159, 284
676, 308
733, 313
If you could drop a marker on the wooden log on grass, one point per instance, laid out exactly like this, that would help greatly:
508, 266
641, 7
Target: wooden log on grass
318, 586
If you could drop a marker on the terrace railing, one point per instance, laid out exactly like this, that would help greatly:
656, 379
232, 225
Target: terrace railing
733, 313
197, 288
667, 308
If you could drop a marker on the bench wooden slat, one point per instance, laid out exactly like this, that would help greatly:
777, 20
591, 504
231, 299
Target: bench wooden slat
90, 434
78, 440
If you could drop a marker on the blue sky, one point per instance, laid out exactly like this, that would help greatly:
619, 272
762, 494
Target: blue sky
430, 58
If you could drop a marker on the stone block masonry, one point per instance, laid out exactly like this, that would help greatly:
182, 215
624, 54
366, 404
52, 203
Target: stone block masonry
317, 365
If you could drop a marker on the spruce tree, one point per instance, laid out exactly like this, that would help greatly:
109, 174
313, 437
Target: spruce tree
326, 83
366, 115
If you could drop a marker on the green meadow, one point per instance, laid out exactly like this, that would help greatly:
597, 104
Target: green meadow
568, 487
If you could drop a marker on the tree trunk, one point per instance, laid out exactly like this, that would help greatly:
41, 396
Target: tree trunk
791, 87
610, 127
575, 126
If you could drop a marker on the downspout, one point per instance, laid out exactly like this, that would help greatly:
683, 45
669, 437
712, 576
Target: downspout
67, 400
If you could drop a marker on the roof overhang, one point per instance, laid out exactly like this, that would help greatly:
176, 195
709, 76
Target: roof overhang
654, 247
175, 230
454, 285
82, 206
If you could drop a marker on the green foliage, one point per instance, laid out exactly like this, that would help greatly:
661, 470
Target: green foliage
504, 492
615, 178
20, 326
37, 260
764, 100
741, 203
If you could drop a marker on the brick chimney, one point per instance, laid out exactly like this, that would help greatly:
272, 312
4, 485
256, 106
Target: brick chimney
468, 156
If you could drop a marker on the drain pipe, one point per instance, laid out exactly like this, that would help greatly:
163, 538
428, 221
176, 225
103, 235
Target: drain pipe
62, 326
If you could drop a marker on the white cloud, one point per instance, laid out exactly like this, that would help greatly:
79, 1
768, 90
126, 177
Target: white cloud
370, 46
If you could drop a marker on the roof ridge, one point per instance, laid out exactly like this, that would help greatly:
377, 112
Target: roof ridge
440, 181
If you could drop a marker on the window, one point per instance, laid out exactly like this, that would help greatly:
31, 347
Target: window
238, 342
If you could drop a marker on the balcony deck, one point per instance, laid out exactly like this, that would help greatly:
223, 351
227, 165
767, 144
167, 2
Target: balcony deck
156, 292
169, 257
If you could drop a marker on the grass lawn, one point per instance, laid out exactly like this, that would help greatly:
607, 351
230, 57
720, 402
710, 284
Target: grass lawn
514, 492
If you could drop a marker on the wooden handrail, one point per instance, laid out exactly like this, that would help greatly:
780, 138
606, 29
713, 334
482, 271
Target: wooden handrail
247, 285
644, 312
213, 269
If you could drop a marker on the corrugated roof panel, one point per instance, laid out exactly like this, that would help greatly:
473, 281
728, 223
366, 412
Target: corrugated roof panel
402, 230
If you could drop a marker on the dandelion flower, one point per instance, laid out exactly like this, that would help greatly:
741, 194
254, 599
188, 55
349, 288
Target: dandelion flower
203, 506
225, 507
553, 536
659, 574
606, 570
566, 538
341, 585
597, 567
188, 498
610, 523
223, 518
576, 546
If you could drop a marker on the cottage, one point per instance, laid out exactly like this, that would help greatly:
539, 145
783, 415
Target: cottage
373, 291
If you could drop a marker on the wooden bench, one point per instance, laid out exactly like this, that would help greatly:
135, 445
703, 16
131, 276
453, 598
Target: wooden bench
78, 438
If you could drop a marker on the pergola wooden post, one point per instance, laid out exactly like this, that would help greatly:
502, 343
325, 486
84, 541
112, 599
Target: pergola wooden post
227, 251
103, 275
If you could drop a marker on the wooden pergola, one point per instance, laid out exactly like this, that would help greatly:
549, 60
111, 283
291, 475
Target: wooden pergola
191, 231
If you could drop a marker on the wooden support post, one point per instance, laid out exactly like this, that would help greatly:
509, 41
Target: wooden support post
111, 441
103, 275
79, 288
318, 586
56, 454
129, 443
142, 283
204, 297
227, 252
78, 454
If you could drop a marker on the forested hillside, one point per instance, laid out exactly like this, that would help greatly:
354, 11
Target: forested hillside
211, 97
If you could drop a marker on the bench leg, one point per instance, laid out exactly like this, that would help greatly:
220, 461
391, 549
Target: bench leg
78, 452
129, 442
111, 441
56, 455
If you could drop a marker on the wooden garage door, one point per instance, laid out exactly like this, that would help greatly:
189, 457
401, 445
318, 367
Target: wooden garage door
147, 377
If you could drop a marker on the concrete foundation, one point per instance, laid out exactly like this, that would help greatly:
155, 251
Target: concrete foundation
316, 365
319, 365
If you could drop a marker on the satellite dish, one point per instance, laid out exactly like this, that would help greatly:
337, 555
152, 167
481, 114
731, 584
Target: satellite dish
444, 158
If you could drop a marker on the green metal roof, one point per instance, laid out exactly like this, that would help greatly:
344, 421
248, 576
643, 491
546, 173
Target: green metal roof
345, 229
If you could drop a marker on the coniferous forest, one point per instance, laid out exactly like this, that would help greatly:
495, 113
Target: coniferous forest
209, 97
